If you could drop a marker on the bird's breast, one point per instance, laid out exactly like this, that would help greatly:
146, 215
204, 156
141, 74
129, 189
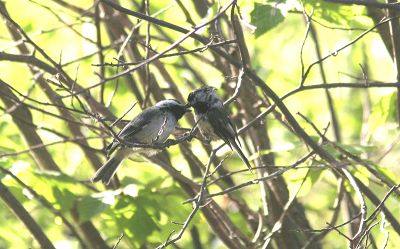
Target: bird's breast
205, 128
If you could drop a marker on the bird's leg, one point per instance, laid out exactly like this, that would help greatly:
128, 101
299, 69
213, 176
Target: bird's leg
170, 142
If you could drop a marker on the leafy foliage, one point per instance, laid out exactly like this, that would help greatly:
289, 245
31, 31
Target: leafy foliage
265, 17
346, 16
54, 134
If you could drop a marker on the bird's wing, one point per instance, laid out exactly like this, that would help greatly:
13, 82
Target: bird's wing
222, 125
225, 129
234, 130
138, 123
132, 128
161, 130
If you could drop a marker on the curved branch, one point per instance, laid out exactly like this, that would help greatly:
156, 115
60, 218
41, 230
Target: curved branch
25, 217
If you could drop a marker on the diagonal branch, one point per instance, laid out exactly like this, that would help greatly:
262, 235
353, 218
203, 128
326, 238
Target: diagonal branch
25, 217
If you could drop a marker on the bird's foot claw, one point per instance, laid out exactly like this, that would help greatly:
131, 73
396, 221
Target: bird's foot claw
169, 141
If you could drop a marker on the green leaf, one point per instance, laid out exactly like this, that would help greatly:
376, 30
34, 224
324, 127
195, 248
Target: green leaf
392, 110
332, 150
265, 17
383, 112
123, 203
16, 191
343, 15
142, 225
357, 149
88, 207
65, 199
362, 174
314, 175
386, 173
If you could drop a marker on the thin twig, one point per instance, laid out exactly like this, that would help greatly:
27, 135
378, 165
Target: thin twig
154, 57
197, 204
257, 180
118, 241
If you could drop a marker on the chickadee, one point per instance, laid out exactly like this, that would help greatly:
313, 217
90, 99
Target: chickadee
213, 121
152, 126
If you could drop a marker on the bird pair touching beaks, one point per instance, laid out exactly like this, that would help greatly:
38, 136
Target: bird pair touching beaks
154, 124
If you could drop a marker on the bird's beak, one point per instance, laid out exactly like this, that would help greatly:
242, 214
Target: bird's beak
188, 106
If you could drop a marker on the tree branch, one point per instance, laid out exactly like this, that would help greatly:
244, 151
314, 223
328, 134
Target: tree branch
25, 217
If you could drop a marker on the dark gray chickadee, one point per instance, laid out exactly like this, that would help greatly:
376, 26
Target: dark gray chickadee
152, 126
213, 121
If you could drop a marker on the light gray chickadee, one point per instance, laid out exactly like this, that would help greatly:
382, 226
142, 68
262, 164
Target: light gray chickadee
213, 121
152, 126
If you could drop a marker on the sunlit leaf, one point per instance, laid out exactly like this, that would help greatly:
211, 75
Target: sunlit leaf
362, 174
123, 203
265, 17
142, 225
17, 192
338, 14
65, 198
332, 150
314, 175
89, 207
387, 173
357, 149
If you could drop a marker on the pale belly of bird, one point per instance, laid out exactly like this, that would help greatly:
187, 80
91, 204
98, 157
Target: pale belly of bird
206, 130
142, 151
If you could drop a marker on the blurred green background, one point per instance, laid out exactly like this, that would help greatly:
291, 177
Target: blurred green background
148, 200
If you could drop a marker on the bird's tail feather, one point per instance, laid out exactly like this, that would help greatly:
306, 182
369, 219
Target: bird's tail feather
107, 171
242, 156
